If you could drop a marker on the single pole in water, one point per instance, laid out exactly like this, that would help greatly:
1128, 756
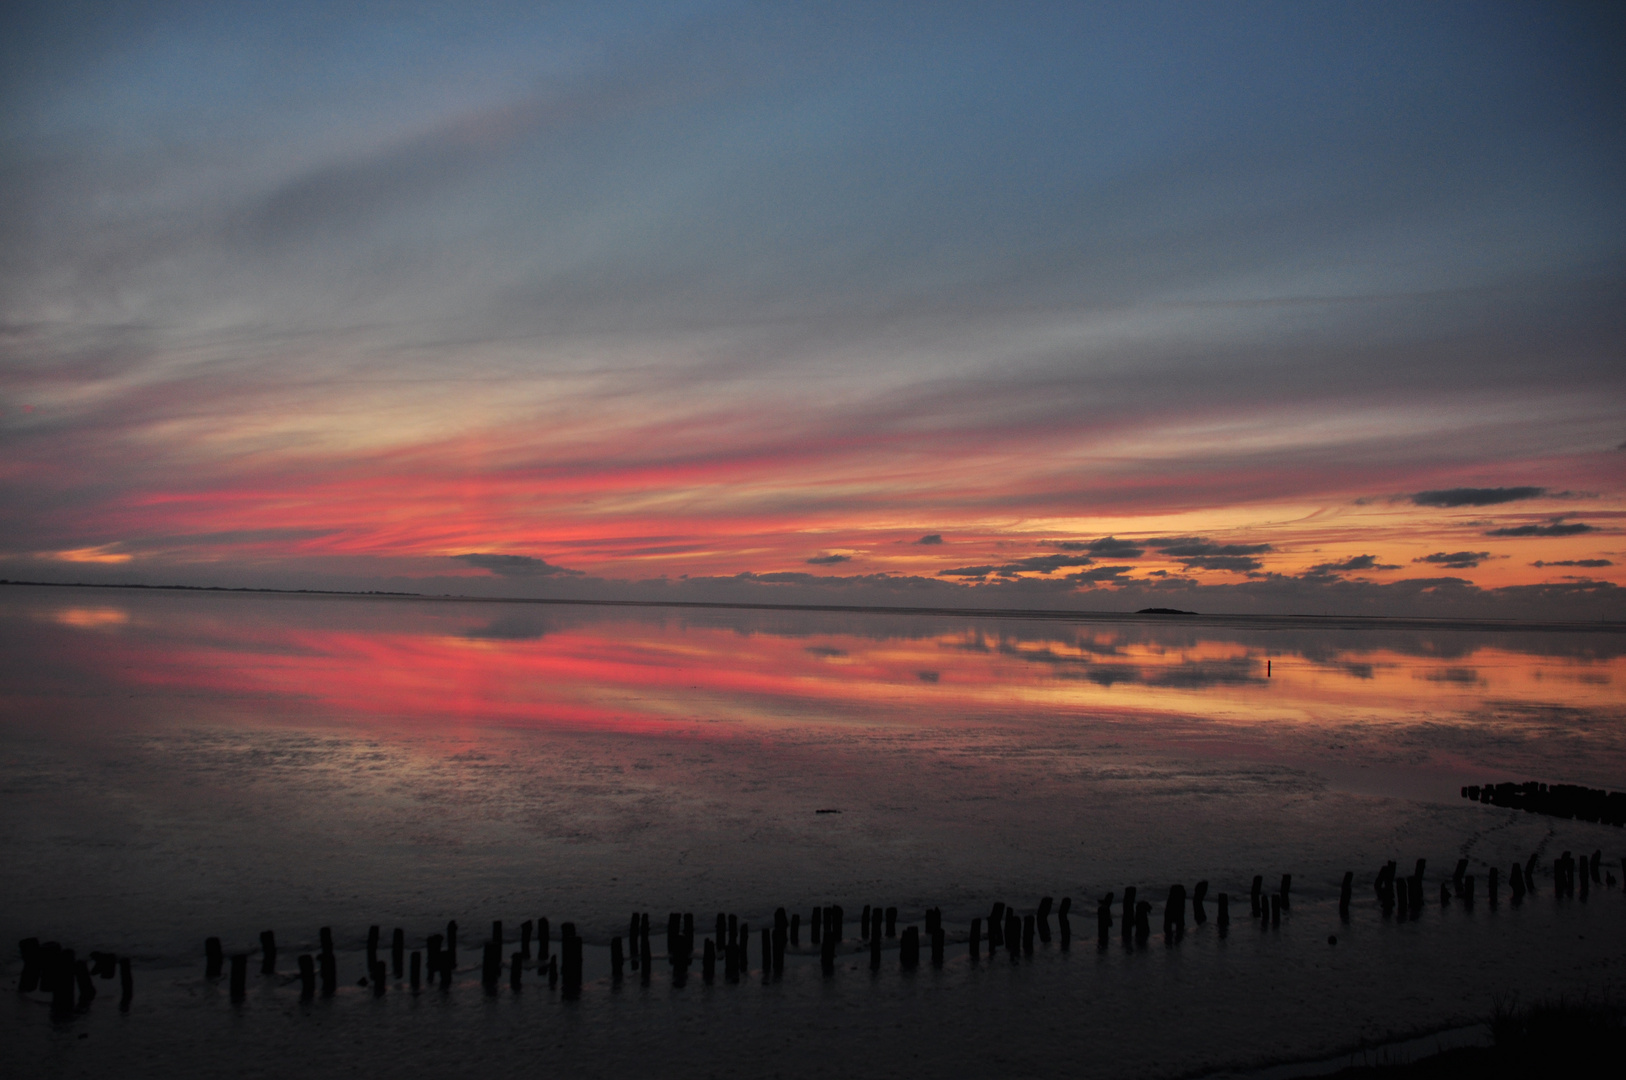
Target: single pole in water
397, 952
571, 950
213, 958
1198, 914
996, 928
1064, 924
909, 949
380, 976
239, 977
268, 953
1128, 917
1043, 918
525, 929
417, 970
126, 984
875, 951
307, 977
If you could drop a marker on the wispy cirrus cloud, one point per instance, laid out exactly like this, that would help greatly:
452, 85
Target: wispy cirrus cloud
1467, 496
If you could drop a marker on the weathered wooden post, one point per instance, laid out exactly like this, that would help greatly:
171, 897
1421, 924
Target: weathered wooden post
1198, 914
1064, 924
1042, 918
909, 949
1128, 917
525, 930
380, 978
307, 977
875, 950
632, 939
239, 977
1103, 923
213, 958
571, 951
1258, 891
937, 946
996, 928
126, 984
398, 952
1143, 921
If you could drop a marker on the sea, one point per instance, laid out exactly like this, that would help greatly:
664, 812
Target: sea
183, 764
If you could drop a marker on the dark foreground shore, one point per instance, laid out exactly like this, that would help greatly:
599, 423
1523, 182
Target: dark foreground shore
1547, 1039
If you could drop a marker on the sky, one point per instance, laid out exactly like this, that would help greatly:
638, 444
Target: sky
1240, 307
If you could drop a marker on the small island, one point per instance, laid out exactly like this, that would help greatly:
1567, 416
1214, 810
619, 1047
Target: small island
1163, 611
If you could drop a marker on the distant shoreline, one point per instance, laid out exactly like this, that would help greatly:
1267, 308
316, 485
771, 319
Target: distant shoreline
1319, 621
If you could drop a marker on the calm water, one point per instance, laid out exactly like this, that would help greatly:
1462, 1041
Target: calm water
174, 765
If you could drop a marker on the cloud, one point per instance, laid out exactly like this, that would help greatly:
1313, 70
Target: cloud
1455, 560
828, 560
514, 566
1589, 563
1465, 496
1222, 562
1357, 562
1182, 547
1099, 573
1557, 528
931, 538
968, 571
1108, 547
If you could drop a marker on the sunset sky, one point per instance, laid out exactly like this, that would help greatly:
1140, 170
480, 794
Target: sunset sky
1306, 307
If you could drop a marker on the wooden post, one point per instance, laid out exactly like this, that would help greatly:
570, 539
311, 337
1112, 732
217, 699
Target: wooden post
268, 953
213, 957
996, 928
976, 939
397, 952
937, 946
891, 922
380, 977
875, 950
239, 977
307, 977
571, 950
126, 984
1042, 918
1198, 895
1258, 891
417, 970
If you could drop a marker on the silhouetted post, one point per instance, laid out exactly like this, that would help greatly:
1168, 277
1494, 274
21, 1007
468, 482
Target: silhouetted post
1258, 891
674, 930
239, 977
268, 953
307, 977
1456, 875
1174, 912
875, 949
1103, 923
435, 960
372, 949
1515, 881
516, 965
909, 949
380, 977
1276, 910
1287, 890
126, 984
937, 946
87, 988
1223, 920
1028, 924
213, 958
708, 962
1143, 921
398, 952
796, 930
976, 940
837, 920
60, 975
781, 938
827, 954
816, 925
1128, 916
1042, 918
643, 950
1198, 895
330, 974
1013, 932
996, 928
1064, 924
1530, 874
1344, 892
863, 923
525, 930
618, 960
325, 938
417, 970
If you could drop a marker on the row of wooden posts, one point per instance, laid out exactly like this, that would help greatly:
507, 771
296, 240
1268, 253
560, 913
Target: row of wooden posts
52, 969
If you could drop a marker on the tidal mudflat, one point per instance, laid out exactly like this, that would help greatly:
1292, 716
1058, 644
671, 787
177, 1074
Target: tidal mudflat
180, 765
